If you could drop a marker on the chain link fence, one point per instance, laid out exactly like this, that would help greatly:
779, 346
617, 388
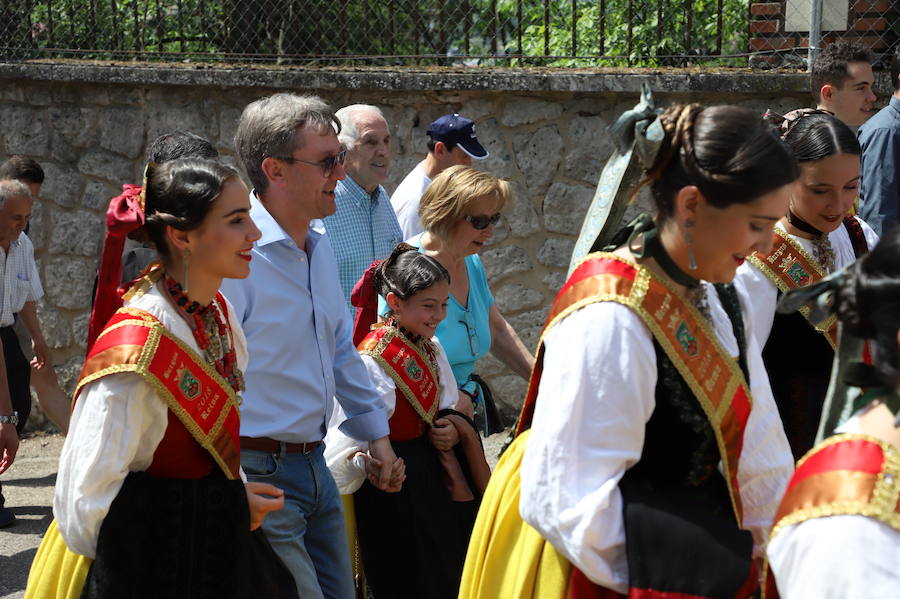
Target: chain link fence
573, 33
782, 33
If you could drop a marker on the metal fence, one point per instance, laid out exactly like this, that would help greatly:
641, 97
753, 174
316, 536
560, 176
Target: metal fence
434, 32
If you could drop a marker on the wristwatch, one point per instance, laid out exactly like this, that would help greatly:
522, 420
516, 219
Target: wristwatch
12, 419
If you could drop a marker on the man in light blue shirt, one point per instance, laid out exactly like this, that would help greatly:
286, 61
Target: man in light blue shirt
299, 339
364, 227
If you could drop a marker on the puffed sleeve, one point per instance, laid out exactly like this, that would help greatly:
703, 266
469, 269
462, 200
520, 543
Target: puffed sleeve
759, 298
116, 426
595, 398
835, 558
449, 393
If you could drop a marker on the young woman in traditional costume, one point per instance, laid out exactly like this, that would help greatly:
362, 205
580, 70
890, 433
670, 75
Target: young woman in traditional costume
837, 532
816, 237
414, 542
149, 497
650, 458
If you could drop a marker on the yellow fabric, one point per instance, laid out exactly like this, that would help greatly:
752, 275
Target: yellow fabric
359, 576
507, 557
56, 572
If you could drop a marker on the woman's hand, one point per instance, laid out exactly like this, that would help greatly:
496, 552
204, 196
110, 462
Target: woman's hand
443, 435
262, 499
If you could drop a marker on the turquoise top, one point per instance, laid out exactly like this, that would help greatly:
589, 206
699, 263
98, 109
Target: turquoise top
466, 332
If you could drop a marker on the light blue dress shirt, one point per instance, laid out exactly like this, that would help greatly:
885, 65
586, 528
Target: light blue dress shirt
465, 332
299, 338
879, 188
363, 229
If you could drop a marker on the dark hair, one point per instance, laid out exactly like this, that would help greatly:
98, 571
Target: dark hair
406, 272
831, 65
447, 144
868, 303
728, 152
895, 69
817, 134
180, 144
22, 169
180, 194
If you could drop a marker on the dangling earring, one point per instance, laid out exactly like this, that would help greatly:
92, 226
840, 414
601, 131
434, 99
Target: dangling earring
186, 260
689, 240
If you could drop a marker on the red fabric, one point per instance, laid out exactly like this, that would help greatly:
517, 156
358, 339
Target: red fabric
599, 266
405, 422
365, 298
179, 455
580, 587
124, 215
855, 455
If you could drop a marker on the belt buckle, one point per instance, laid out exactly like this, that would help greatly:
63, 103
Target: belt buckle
306, 448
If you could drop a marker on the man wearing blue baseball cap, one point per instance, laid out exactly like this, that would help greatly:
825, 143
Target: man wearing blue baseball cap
452, 142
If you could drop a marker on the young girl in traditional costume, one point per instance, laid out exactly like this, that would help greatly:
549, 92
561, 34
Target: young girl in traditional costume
149, 498
816, 237
650, 458
413, 542
837, 532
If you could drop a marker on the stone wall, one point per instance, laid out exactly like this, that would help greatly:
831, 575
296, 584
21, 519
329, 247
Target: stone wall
89, 126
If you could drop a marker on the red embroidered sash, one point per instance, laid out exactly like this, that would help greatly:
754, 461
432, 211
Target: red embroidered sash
135, 341
789, 266
411, 370
712, 374
843, 475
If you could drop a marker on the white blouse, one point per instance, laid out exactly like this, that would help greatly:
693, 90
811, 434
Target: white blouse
838, 557
340, 449
764, 293
115, 428
596, 395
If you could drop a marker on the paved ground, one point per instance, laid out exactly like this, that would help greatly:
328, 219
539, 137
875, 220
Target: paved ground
28, 487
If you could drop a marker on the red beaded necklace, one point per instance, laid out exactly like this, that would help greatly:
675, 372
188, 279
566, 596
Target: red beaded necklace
211, 332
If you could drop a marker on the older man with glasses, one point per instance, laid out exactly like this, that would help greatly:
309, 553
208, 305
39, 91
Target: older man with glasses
299, 338
364, 227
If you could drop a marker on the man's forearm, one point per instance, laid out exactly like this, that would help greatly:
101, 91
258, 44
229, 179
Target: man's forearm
28, 314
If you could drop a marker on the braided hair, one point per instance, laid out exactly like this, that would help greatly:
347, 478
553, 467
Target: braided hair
406, 272
868, 305
727, 152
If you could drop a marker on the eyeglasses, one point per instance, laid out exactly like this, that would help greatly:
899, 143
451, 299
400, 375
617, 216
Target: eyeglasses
482, 221
326, 165
474, 345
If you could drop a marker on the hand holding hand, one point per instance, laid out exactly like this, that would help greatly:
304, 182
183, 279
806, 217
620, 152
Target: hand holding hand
262, 499
373, 472
381, 450
443, 435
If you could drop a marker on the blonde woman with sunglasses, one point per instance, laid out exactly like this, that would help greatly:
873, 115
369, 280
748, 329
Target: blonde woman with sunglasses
459, 211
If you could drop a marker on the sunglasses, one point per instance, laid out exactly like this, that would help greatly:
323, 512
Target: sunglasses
326, 165
482, 221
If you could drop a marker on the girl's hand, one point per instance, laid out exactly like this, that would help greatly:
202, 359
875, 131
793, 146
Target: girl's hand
373, 472
262, 499
443, 435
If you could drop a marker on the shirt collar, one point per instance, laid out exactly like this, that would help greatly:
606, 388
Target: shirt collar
271, 231
895, 103
358, 193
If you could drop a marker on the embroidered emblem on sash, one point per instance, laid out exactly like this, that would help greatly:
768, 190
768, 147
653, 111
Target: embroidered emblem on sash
188, 384
799, 276
412, 369
687, 341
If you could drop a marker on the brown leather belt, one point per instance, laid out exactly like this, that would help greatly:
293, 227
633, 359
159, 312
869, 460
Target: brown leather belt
280, 447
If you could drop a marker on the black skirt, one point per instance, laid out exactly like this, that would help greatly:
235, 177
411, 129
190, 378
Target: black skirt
414, 542
182, 538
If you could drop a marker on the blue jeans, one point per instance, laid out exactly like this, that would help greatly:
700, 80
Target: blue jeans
309, 533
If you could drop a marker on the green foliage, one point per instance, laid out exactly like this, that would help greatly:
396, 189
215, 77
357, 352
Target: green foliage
428, 31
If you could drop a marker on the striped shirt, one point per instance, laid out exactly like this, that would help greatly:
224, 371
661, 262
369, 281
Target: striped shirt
19, 276
363, 229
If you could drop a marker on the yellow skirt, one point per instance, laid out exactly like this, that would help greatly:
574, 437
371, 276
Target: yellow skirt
507, 557
57, 572
359, 576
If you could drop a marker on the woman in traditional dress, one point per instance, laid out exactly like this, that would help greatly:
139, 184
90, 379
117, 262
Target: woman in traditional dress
650, 458
149, 498
837, 532
459, 210
816, 237
426, 525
